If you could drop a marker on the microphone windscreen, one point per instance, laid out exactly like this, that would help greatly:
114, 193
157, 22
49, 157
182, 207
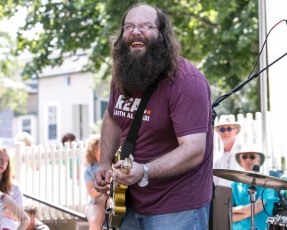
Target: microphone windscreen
256, 168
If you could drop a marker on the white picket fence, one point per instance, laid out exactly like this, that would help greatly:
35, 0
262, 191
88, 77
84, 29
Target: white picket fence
252, 131
55, 172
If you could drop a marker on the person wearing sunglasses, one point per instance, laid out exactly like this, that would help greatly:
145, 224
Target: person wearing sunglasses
227, 129
247, 157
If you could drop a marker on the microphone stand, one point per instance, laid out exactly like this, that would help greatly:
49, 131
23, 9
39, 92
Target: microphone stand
252, 191
240, 86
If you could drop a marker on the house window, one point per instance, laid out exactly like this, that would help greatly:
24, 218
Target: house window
103, 107
26, 125
52, 122
67, 80
81, 122
102, 104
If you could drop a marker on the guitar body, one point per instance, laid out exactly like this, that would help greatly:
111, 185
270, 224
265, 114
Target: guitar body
118, 196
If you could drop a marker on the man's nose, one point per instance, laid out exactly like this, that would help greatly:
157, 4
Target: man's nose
136, 30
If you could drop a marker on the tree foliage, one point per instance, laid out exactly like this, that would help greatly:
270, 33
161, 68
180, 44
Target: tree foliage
12, 93
220, 37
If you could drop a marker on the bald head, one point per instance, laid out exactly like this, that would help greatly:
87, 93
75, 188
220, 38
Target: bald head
141, 14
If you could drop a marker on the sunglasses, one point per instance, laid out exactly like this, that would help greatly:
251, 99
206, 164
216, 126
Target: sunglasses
229, 129
251, 157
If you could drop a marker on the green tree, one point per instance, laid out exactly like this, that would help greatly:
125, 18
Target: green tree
12, 91
220, 37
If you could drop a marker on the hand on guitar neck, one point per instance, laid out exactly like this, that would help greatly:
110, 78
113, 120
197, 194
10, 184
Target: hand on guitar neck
118, 191
113, 183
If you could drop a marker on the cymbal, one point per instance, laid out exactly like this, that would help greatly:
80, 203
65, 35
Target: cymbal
246, 177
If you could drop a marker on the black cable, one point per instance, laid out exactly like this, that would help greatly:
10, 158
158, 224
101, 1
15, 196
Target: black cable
224, 96
264, 43
263, 202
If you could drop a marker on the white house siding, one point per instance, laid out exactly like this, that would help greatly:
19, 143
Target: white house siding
54, 90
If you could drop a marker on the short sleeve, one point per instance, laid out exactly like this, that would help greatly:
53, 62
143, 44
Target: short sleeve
16, 194
88, 175
190, 105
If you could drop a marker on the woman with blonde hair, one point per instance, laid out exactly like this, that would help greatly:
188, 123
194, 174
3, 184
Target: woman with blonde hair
10, 187
96, 205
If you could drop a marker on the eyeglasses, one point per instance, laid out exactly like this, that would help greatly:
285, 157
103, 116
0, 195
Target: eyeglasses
142, 27
229, 129
251, 157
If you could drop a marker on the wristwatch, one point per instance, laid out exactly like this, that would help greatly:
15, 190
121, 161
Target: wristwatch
144, 180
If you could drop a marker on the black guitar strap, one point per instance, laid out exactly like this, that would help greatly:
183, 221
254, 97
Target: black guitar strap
130, 142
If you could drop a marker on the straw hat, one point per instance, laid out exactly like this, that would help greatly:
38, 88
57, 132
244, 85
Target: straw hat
227, 120
250, 148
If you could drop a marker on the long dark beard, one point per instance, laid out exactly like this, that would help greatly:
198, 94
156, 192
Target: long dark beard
137, 71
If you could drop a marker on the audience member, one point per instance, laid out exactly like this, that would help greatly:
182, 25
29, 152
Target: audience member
35, 223
247, 157
96, 206
8, 204
24, 137
68, 137
9, 186
227, 129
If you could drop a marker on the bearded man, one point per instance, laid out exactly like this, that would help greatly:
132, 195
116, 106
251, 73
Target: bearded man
170, 181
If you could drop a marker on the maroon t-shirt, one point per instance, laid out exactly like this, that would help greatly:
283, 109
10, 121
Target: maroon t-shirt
175, 109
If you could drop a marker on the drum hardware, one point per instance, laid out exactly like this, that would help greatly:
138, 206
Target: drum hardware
276, 222
282, 202
279, 209
254, 179
252, 191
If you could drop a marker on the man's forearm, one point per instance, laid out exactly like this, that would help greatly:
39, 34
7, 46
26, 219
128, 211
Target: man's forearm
238, 216
184, 158
110, 139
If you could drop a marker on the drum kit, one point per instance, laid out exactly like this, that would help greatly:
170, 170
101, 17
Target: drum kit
254, 178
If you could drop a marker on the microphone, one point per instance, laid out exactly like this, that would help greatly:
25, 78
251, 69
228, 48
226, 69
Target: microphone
256, 168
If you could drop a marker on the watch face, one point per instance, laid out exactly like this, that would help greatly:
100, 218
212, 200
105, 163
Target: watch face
143, 183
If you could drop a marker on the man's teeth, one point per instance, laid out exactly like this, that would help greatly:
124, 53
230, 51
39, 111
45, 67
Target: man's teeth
137, 43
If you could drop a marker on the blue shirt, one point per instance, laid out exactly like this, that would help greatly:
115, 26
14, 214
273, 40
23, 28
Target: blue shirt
241, 196
89, 174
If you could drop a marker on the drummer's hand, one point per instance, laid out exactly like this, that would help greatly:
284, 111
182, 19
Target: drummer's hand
102, 180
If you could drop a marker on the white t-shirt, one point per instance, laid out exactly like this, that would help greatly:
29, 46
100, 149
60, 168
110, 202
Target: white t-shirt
227, 160
16, 195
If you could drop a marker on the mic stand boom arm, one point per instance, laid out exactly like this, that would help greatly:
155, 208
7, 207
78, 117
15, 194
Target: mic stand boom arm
240, 86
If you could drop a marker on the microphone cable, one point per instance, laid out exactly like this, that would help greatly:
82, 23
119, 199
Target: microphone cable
263, 205
264, 43
220, 98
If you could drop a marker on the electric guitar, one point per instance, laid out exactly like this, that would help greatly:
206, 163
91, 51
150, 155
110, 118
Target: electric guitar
117, 208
